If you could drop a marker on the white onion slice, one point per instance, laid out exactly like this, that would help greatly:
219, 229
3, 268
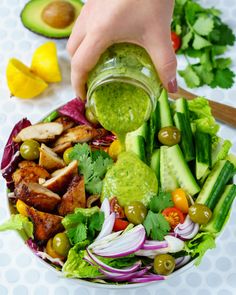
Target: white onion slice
105, 207
107, 226
174, 244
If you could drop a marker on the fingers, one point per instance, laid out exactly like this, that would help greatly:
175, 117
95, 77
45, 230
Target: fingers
83, 61
164, 59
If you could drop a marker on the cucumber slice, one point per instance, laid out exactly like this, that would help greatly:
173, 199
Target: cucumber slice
168, 180
181, 105
136, 144
215, 184
165, 112
222, 209
181, 170
155, 163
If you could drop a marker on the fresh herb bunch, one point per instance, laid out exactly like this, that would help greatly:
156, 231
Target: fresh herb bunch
204, 37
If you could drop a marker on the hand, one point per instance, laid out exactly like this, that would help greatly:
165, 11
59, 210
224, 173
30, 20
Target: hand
105, 22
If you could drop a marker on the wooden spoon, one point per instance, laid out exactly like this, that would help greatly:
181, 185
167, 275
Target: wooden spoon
221, 112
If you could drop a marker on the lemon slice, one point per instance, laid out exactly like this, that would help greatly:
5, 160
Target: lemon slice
22, 82
115, 149
45, 63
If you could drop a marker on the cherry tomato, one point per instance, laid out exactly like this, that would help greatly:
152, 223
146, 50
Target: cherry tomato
120, 224
180, 200
176, 41
174, 216
115, 207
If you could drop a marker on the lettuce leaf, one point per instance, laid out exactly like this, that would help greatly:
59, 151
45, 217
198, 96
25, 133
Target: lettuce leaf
20, 223
198, 246
200, 114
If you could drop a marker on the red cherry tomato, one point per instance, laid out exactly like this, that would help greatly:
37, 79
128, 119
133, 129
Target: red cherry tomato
176, 41
174, 216
120, 224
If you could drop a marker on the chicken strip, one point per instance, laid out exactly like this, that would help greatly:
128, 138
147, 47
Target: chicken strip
30, 174
74, 197
49, 159
66, 122
34, 194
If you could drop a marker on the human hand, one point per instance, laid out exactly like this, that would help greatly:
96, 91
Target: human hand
102, 23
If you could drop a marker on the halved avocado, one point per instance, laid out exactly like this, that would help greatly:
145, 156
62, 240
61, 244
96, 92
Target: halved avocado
37, 17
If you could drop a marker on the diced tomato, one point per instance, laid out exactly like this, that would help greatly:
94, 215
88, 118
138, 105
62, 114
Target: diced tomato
115, 207
174, 216
120, 224
180, 200
176, 41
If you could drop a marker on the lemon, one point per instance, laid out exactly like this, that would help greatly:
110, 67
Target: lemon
45, 63
115, 149
22, 208
22, 82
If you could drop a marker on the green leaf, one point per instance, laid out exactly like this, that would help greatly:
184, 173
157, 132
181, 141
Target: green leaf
186, 39
199, 42
190, 76
191, 10
223, 63
218, 49
205, 75
203, 25
193, 53
224, 78
95, 223
227, 36
160, 202
77, 234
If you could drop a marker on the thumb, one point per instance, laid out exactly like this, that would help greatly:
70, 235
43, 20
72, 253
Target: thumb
164, 59
84, 59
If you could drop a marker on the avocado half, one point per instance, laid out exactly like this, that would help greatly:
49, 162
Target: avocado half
31, 17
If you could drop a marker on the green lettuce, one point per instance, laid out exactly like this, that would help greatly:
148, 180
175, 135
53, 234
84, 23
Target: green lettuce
198, 246
20, 223
200, 114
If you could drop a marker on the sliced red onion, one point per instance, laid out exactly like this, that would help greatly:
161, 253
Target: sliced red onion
180, 261
151, 253
193, 233
174, 244
55, 261
187, 230
105, 207
126, 270
154, 245
107, 226
123, 245
103, 242
147, 278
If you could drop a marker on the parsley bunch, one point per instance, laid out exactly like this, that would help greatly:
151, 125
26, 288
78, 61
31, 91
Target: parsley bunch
205, 38
155, 223
93, 165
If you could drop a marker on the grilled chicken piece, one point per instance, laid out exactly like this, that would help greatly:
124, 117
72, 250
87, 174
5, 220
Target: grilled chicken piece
25, 164
74, 197
59, 149
61, 178
41, 132
81, 133
66, 122
49, 159
46, 225
29, 174
34, 194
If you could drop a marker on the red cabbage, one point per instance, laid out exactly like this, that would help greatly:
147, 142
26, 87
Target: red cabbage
11, 155
75, 110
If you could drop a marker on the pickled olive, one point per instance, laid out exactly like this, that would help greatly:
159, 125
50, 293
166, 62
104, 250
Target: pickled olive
50, 251
29, 150
66, 156
164, 264
61, 244
135, 212
200, 213
169, 135
89, 114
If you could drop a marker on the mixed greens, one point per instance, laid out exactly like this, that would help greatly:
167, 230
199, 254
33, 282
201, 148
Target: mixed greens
65, 216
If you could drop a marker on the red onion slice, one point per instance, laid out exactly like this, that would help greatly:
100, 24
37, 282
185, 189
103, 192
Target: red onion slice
124, 277
147, 278
181, 261
154, 245
174, 244
107, 226
193, 233
105, 207
100, 244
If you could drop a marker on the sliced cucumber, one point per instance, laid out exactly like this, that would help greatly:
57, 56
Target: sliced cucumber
136, 144
186, 144
181, 170
181, 105
155, 163
222, 209
215, 184
168, 180
203, 153
165, 112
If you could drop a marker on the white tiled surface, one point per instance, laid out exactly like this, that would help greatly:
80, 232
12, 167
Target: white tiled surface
21, 273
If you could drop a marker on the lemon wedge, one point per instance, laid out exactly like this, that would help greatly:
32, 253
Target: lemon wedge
45, 63
22, 82
115, 149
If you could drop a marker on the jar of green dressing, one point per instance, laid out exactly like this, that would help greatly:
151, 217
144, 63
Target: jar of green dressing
123, 88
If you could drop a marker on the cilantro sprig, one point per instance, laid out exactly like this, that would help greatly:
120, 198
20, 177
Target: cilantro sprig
93, 165
205, 38
155, 223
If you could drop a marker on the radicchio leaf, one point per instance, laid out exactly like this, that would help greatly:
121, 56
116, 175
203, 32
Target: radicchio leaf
75, 110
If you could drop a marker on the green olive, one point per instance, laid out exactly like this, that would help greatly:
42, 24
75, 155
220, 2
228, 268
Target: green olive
169, 135
89, 114
135, 212
66, 155
200, 213
29, 150
61, 244
164, 264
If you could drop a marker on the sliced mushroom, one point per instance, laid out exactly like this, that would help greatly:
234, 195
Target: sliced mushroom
34, 194
74, 197
41, 132
81, 133
46, 225
30, 174
66, 122
61, 178
49, 159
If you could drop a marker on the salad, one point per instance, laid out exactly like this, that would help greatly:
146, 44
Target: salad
80, 204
